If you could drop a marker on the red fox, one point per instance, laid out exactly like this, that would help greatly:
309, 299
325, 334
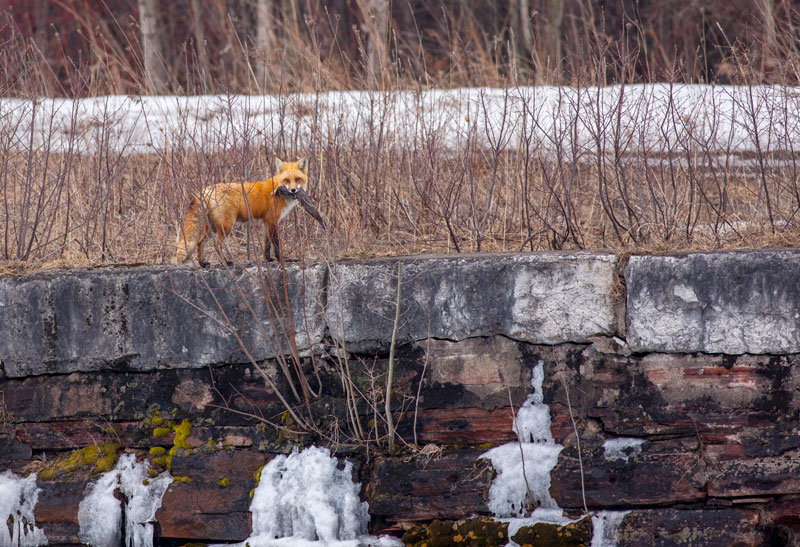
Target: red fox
216, 208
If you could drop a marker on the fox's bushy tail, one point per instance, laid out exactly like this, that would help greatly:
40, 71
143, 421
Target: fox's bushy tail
189, 234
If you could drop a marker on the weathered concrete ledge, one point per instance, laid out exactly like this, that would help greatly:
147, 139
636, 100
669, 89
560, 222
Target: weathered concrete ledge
732, 302
146, 318
547, 298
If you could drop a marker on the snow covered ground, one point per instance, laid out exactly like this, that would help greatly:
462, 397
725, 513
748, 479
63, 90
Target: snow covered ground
651, 118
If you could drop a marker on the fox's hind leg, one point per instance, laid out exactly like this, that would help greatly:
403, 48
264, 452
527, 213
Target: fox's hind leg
191, 233
222, 229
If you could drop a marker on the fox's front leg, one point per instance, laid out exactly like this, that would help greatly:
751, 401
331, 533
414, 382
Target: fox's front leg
270, 240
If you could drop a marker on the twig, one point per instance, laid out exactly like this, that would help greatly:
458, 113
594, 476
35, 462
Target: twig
390, 375
578, 437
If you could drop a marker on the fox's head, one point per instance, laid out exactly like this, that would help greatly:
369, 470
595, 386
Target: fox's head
292, 176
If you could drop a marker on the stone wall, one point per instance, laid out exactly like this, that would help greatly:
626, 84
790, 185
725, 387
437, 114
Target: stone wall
692, 354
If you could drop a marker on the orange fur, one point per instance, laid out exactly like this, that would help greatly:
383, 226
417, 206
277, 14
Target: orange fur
216, 209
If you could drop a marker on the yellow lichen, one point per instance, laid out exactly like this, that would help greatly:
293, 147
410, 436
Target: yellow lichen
99, 458
180, 447
224, 483
257, 474
181, 432
182, 479
161, 432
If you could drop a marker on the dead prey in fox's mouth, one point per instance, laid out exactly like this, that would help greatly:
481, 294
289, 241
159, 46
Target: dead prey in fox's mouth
300, 195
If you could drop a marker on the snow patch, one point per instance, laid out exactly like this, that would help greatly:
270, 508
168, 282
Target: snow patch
605, 525
100, 513
18, 497
728, 118
623, 448
305, 499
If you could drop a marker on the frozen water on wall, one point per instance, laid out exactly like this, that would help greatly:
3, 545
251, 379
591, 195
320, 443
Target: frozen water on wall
605, 525
623, 448
307, 499
18, 497
101, 512
523, 468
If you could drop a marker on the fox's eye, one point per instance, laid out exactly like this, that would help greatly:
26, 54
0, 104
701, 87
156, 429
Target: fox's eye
286, 181
298, 180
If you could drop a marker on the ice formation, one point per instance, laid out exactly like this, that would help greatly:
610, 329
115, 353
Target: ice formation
100, 513
537, 452
623, 448
18, 497
305, 499
605, 525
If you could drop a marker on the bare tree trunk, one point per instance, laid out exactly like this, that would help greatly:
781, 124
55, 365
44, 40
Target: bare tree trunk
265, 39
152, 47
525, 32
767, 45
290, 17
375, 14
198, 32
521, 36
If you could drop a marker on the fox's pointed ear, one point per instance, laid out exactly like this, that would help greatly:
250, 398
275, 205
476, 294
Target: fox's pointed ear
279, 165
302, 163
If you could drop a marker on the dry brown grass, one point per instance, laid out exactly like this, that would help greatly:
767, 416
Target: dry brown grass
62, 207
403, 206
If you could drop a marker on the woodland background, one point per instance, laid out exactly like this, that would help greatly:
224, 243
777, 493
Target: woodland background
87, 47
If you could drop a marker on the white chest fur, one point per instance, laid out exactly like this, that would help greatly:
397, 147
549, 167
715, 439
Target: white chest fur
290, 204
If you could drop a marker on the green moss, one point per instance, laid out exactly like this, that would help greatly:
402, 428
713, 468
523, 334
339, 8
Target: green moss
182, 479
106, 463
182, 431
180, 447
224, 483
96, 458
152, 473
475, 532
161, 432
